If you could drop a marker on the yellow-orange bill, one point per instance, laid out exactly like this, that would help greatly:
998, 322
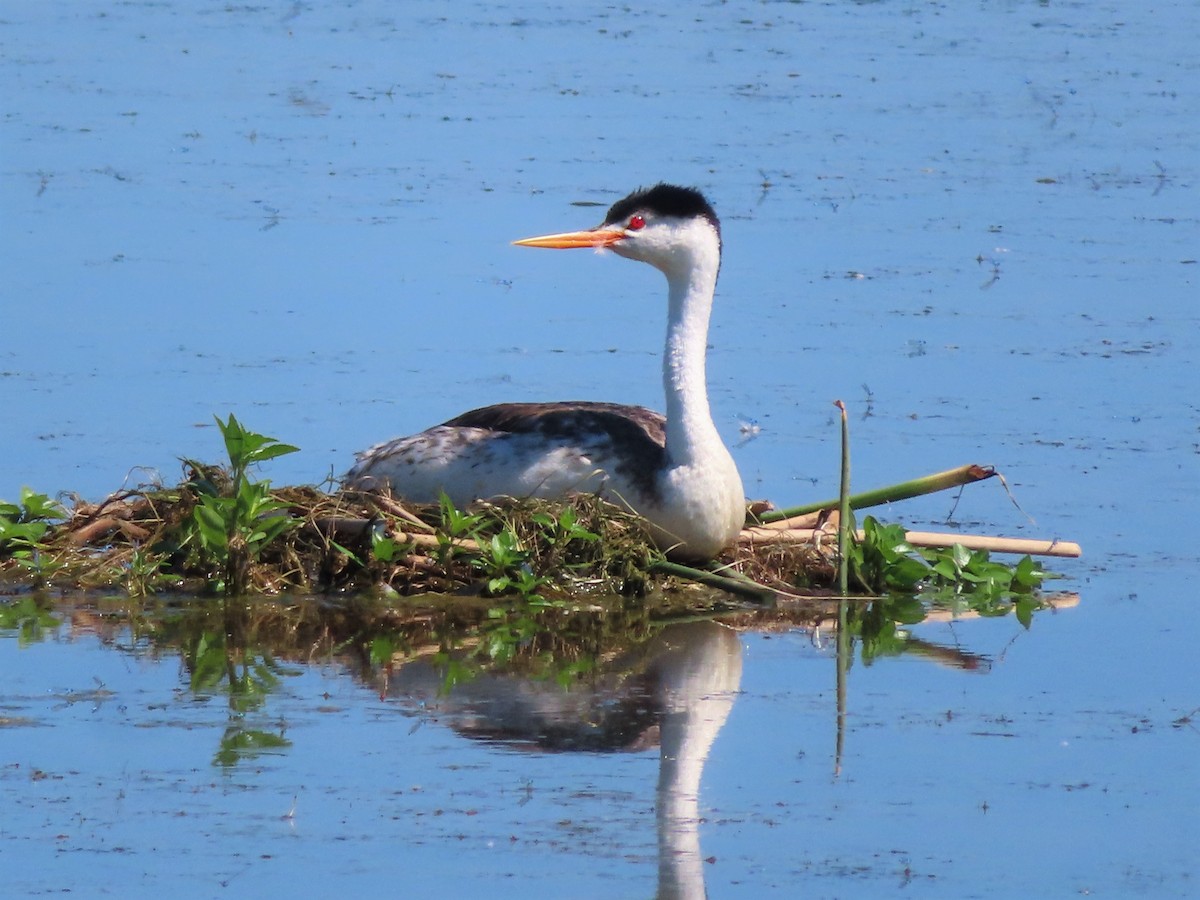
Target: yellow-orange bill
570, 240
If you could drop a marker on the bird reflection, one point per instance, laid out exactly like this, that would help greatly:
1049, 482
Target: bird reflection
675, 691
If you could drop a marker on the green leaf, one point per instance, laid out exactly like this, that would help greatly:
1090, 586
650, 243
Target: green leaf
972, 578
384, 549
1027, 574
350, 553
960, 555
214, 530
39, 506
1023, 609
946, 569
906, 573
247, 447
273, 451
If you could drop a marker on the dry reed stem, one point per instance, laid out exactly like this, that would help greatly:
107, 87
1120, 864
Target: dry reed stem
763, 534
933, 539
808, 520
993, 544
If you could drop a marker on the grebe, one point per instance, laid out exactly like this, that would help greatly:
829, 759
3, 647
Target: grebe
672, 470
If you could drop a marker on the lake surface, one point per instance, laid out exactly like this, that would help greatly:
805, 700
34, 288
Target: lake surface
974, 223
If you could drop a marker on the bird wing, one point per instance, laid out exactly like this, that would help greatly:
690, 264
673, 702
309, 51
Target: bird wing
634, 424
630, 441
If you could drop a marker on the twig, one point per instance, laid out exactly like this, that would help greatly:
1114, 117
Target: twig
347, 527
392, 507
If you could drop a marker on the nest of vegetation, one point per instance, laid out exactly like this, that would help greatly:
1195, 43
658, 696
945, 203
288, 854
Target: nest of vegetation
150, 540
532, 583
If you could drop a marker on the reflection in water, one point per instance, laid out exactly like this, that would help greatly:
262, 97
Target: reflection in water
672, 690
700, 673
675, 691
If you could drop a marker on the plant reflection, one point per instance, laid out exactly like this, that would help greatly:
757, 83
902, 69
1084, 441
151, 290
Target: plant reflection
29, 616
229, 661
609, 677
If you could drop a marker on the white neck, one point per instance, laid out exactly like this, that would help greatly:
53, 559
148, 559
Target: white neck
690, 428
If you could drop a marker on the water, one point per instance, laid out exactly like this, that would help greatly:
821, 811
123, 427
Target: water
975, 222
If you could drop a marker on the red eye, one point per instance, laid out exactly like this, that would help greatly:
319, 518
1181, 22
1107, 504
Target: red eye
636, 223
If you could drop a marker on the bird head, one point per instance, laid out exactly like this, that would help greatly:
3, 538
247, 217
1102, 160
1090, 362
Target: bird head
665, 225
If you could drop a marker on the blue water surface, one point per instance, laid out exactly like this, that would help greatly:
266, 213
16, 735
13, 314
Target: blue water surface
974, 223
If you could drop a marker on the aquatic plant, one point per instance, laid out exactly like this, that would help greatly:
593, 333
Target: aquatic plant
505, 564
457, 527
24, 528
234, 526
145, 573
884, 560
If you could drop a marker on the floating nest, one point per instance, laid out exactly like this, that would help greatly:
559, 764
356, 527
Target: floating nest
545, 587
146, 541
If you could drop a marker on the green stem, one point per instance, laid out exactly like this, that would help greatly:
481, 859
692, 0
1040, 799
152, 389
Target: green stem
929, 484
742, 587
844, 508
